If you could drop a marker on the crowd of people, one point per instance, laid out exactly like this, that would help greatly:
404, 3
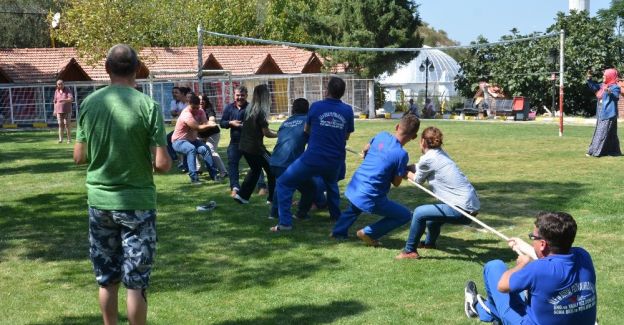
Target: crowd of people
309, 157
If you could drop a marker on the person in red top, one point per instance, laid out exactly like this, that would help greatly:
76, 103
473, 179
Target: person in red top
63, 99
185, 139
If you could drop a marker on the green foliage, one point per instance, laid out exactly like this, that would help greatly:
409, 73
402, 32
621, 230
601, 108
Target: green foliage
25, 24
380, 95
524, 69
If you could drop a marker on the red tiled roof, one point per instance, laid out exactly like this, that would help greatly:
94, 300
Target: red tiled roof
47, 64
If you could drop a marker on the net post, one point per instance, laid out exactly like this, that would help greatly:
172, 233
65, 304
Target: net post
200, 45
561, 69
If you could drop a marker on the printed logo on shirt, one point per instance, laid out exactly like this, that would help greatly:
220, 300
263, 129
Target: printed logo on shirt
292, 124
577, 298
332, 120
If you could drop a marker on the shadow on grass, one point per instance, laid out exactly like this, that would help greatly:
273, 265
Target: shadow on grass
45, 226
305, 314
78, 320
49, 161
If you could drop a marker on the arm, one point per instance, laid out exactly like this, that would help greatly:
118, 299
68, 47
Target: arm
593, 86
269, 133
503, 283
225, 118
162, 160
80, 153
347, 136
365, 150
397, 180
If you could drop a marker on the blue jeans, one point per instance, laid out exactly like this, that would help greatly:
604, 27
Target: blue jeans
297, 173
191, 149
510, 308
307, 190
234, 157
433, 216
394, 215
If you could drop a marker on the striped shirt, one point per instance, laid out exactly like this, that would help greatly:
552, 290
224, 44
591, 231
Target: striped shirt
446, 180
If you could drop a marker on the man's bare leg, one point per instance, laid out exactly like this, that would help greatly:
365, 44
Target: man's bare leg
137, 306
108, 303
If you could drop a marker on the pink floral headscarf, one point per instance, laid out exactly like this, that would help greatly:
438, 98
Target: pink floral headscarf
610, 78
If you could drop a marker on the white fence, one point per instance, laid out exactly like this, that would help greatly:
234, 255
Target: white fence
27, 104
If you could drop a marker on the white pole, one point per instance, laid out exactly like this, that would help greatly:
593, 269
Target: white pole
561, 68
200, 60
371, 99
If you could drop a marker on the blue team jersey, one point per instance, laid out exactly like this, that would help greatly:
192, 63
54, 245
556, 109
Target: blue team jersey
330, 120
291, 141
371, 182
561, 289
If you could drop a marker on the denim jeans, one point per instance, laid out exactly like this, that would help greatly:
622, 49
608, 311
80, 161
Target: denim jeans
510, 308
394, 215
191, 149
431, 216
307, 190
297, 173
234, 157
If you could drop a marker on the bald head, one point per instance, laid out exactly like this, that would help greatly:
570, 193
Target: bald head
122, 61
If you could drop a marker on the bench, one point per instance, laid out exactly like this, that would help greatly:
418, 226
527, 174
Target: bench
500, 107
469, 108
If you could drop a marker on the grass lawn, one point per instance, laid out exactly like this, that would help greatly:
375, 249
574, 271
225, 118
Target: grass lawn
225, 267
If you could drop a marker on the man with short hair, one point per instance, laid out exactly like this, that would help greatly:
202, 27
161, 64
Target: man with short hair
560, 285
385, 164
121, 136
329, 124
413, 108
232, 118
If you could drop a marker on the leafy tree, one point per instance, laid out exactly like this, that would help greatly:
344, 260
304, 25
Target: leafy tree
24, 23
524, 69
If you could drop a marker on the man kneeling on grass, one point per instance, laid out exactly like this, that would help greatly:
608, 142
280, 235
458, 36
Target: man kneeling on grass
560, 285
385, 163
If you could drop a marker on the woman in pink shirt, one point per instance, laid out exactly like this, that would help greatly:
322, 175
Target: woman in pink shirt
63, 99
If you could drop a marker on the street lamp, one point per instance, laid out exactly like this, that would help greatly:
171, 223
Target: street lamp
426, 66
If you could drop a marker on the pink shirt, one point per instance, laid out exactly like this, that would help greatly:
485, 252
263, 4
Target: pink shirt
60, 107
182, 130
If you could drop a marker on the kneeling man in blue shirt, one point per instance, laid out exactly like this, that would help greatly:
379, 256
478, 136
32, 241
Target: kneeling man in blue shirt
385, 163
557, 288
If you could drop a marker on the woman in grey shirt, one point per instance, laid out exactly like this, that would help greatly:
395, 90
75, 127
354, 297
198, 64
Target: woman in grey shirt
448, 183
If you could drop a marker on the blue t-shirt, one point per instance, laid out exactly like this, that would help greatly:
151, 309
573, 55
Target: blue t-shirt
330, 120
561, 289
291, 141
371, 182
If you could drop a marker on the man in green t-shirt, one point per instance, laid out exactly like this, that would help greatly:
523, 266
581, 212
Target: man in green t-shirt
121, 138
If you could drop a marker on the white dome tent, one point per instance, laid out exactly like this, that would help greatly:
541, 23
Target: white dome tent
409, 78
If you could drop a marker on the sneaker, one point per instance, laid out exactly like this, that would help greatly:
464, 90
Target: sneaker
278, 228
263, 191
234, 191
207, 207
423, 245
196, 182
239, 199
408, 256
300, 216
470, 299
367, 239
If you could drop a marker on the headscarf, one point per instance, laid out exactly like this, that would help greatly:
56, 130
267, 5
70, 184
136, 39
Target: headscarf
610, 78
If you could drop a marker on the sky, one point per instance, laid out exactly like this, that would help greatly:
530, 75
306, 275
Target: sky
464, 20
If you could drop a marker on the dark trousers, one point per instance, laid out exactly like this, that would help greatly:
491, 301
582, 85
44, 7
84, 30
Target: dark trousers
257, 163
307, 189
234, 156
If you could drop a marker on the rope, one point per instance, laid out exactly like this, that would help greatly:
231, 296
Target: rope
370, 49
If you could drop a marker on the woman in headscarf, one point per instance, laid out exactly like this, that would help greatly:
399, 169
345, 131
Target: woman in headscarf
605, 141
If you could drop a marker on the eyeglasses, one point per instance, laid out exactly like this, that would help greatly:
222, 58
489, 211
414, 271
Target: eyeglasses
534, 237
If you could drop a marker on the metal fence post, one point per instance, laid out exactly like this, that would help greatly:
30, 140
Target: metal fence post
288, 106
11, 105
371, 99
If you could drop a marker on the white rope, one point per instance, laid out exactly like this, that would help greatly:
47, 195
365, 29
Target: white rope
371, 49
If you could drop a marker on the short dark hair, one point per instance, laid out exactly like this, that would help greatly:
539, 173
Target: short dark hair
241, 89
300, 106
174, 88
409, 125
122, 60
558, 229
336, 87
194, 99
185, 90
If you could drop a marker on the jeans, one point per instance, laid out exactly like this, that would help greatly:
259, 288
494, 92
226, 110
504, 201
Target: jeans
433, 216
257, 163
510, 308
234, 157
213, 143
307, 190
394, 215
297, 173
191, 149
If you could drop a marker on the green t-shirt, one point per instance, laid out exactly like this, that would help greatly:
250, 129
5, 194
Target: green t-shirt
119, 125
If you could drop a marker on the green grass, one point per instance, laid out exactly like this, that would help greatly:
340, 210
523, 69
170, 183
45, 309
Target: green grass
224, 267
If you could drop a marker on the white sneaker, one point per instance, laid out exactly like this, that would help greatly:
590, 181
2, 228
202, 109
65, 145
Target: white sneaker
239, 199
470, 299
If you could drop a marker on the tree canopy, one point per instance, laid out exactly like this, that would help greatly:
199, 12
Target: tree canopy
92, 26
25, 23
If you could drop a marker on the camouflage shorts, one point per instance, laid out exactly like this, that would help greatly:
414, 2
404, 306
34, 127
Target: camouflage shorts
122, 246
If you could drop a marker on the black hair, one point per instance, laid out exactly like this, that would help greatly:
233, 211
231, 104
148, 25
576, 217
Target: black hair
558, 229
241, 89
122, 60
336, 87
185, 90
300, 106
194, 100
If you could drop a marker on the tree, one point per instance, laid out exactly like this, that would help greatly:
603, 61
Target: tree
524, 69
25, 24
